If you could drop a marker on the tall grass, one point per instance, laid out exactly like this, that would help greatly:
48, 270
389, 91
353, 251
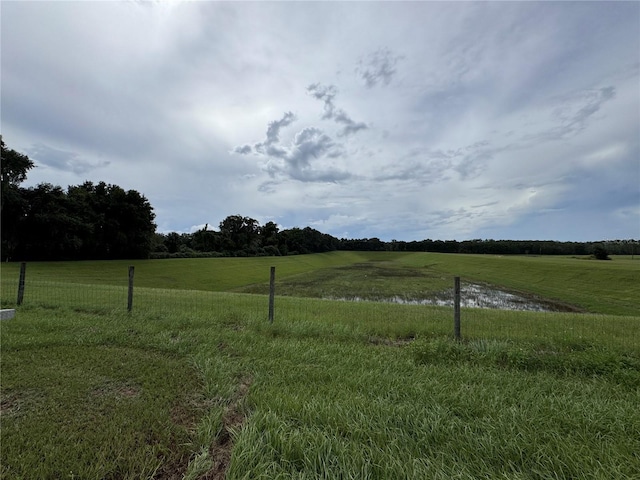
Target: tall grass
196, 383
332, 390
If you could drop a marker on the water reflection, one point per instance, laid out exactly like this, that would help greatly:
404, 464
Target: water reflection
471, 296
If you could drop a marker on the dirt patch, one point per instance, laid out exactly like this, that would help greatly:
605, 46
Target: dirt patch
10, 404
382, 270
117, 389
14, 404
232, 419
188, 409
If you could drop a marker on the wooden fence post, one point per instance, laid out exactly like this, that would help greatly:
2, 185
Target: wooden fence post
130, 295
23, 271
272, 292
456, 308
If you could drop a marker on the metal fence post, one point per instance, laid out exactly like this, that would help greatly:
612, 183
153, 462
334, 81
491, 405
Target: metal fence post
456, 308
272, 292
23, 271
130, 295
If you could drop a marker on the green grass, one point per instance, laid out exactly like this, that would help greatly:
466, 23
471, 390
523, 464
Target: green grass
195, 383
607, 287
74, 407
209, 274
611, 287
330, 390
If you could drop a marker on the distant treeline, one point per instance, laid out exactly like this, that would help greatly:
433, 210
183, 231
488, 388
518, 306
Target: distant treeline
101, 221
243, 236
240, 236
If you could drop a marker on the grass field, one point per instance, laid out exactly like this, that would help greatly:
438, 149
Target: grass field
608, 287
195, 383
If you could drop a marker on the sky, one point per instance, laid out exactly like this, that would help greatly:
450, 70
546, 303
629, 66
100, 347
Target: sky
395, 120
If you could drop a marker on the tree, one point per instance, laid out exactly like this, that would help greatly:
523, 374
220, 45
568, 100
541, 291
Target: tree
600, 253
240, 233
14, 167
49, 230
268, 234
13, 171
206, 240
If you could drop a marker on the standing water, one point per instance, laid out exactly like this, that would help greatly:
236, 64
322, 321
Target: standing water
473, 296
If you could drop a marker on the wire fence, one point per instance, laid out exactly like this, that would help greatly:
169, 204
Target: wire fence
379, 320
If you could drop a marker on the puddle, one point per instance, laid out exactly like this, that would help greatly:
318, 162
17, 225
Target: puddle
472, 296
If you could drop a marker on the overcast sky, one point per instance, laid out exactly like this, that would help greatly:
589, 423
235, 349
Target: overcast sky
399, 120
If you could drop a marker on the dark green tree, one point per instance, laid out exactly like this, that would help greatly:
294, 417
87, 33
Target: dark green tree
600, 253
205, 240
85, 222
240, 234
14, 167
13, 171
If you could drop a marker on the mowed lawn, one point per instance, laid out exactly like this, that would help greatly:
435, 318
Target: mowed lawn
331, 389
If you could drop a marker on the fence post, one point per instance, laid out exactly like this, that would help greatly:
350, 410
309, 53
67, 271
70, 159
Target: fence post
130, 296
456, 308
272, 292
23, 271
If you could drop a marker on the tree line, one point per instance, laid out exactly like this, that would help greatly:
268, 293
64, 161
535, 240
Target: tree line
240, 236
102, 221
268, 240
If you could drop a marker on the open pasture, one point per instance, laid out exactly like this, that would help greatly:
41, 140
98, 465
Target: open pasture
195, 383
579, 284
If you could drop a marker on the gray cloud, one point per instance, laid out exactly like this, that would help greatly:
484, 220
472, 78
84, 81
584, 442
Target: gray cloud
378, 67
270, 145
327, 94
243, 150
350, 126
304, 159
310, 142
309, 145
571, 113
273, 131
473, 165
426, 166
63, 160
413, 171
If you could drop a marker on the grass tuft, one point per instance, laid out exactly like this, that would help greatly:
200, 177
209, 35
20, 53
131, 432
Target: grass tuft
575, 359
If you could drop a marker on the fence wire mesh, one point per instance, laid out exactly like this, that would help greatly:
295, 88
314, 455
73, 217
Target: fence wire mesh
379, 320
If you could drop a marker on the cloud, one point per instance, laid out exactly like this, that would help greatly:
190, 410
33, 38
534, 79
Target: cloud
310, 145
63, 160
270, 145
243, 150
473, 165
327, 94
350, 126
445, 131
273, 131
572, 112
378, 67
307, 158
